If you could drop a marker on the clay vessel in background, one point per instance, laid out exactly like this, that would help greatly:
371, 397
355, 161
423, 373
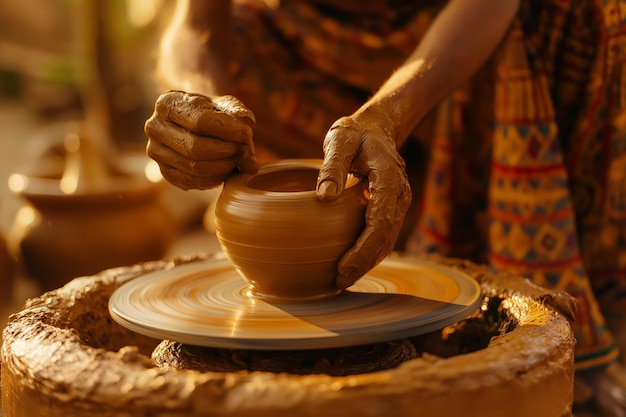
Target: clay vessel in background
64, 236
281, 239
83, 214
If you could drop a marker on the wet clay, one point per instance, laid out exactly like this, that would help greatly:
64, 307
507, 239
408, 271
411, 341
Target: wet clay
63, 356
198, 141
360, 143
280, 237
336, 362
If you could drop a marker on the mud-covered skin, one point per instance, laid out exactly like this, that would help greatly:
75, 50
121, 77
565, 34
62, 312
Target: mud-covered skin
363, 144
199, 141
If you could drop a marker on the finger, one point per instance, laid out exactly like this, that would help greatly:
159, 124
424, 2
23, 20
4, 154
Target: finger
198, 113
191, 168
389, 202
234, 107
340, 148
223, 118
186, 143
187, 182
248, 162
230, 105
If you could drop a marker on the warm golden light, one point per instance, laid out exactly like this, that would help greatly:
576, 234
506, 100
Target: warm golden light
142, 12
26, 215
72, 142
152, 172
68, 184
17, 183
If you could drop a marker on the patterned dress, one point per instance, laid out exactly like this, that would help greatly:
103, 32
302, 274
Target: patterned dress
524, 168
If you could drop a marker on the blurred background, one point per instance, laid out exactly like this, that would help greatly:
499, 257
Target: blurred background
51, 49
82, 70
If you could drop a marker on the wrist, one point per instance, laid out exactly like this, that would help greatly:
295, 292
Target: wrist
383, 117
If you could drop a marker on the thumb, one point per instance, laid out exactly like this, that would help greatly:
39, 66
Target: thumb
333, 173
248, 162
332, 178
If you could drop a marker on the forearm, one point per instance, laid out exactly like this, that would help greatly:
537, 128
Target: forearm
194, 47
462, 37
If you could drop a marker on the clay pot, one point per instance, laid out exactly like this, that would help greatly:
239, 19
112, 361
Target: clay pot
280, 237
62, 236
86, 208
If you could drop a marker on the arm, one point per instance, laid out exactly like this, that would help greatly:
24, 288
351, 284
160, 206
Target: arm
462, 37
459, 41
193, 52
197, 134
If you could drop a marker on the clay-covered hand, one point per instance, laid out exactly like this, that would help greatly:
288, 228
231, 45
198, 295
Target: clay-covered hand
199, 141
363, 144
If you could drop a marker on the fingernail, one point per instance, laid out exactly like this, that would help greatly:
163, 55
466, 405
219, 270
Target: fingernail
327, 188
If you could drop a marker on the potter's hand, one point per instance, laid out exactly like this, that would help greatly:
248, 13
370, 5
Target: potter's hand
198, 141
362, 145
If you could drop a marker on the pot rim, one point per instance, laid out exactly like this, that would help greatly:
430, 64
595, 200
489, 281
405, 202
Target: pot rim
242, 180
49, 189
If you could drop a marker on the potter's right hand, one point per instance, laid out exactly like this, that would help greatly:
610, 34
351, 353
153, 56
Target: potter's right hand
199, 141
362, 144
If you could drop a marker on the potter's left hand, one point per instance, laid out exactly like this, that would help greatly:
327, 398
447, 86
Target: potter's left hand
199, 141
362, 144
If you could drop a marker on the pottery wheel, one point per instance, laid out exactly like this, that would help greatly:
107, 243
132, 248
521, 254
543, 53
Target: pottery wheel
207, 304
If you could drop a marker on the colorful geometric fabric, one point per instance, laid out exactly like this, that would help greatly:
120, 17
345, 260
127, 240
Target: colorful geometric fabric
554, 150
524, 168
533, 227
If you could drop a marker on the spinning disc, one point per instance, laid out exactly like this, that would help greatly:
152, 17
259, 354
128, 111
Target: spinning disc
206, 304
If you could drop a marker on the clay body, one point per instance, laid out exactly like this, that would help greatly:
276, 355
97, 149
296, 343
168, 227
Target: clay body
282, 240
87, 206
66, 236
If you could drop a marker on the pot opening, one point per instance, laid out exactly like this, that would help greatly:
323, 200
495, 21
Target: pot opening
291, 180
285, 181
